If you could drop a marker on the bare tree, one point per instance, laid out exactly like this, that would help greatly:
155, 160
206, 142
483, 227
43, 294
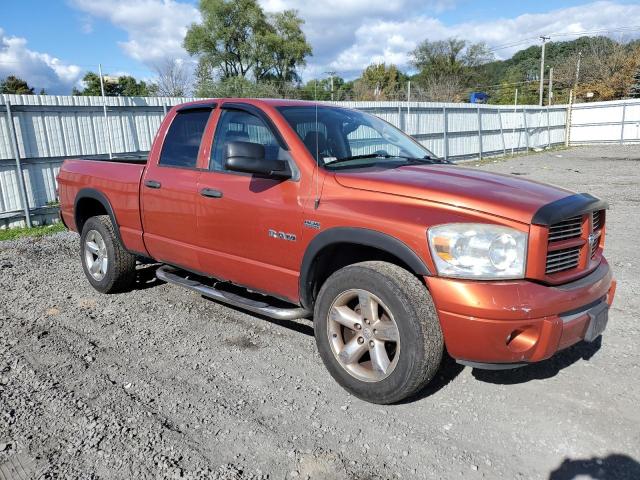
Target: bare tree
440, 88
174, 78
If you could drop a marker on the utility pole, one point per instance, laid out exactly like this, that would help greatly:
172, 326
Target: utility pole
550, 86
331, 75
544, 42
578, 70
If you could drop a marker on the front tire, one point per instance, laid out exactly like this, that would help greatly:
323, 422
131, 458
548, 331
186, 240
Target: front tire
107, 265
377, 331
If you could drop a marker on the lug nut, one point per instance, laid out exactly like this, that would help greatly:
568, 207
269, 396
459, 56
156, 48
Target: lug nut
358, 326
360, 340
375, 331
371, 343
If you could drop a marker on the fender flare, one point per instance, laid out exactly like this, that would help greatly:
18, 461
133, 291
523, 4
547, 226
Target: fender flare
360, 236
101, 198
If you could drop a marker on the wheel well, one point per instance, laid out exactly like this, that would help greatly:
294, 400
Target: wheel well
339, 255
86, 208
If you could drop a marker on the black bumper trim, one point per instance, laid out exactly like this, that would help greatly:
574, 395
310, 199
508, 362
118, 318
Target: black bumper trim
567, 207
491, 366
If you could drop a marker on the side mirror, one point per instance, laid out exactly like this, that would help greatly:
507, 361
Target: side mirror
249, 157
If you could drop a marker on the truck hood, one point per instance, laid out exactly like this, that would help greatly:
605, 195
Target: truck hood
502, 195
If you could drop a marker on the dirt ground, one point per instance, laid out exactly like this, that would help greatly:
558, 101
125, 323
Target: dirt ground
162, 383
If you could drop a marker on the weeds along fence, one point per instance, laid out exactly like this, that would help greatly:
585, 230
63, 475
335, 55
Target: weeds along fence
38, 132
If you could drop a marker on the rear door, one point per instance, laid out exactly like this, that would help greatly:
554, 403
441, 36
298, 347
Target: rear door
169, 189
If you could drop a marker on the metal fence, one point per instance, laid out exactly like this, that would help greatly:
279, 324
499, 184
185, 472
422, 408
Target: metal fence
38, 132
605, 122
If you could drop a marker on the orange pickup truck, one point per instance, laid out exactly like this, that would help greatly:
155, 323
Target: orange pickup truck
295, 209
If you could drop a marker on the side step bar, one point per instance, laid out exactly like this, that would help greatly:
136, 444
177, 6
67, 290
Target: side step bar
171, 275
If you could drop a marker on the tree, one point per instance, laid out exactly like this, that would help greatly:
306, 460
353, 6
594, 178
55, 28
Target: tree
123, 86
285, 48
447, 66
173, 79
451, 56
15, 85
378, 82
228, 37
634, 90
237, 39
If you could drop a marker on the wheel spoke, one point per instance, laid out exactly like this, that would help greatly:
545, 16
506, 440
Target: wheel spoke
368, 307
345, 316
379, 358
95, 266
103, 266
353, 351
92, 247
385, 330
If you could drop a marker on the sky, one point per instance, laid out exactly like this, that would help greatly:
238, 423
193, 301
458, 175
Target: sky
52, 43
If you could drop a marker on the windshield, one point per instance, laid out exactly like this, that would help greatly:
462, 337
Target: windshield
343, 138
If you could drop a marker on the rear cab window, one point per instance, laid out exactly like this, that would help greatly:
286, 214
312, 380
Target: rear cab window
182, 142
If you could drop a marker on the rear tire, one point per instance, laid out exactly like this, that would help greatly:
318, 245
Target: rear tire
107, 265
393, 361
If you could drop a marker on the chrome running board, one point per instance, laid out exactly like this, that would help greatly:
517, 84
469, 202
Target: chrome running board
171, 275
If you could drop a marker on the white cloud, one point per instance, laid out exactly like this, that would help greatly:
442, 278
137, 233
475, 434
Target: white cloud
348, 35
155, 28
391, 40
41, 70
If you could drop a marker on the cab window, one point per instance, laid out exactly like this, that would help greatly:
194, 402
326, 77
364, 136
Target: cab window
240, 126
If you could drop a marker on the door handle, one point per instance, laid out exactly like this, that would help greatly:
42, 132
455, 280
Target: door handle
152, 184
211, 193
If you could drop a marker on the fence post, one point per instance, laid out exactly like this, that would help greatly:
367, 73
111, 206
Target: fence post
526, 127
164, 108
504, 146
479, 133
624, 114
24, 199
548, 128
445, 134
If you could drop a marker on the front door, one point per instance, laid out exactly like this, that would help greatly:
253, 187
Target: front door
249, 227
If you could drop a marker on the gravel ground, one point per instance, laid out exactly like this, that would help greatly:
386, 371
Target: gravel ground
160, 382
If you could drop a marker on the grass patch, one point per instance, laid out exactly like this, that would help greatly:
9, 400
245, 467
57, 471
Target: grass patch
13, 233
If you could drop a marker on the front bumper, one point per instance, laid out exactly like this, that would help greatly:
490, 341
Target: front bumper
516, 322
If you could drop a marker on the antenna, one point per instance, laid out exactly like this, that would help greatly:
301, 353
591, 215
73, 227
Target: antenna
315, 99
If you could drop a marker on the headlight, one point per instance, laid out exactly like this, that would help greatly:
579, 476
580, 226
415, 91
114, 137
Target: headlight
478, 250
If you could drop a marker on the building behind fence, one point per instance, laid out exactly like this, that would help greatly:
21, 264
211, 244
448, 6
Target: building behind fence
38, 132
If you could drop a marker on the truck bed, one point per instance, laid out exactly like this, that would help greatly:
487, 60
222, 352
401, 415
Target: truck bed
117, 179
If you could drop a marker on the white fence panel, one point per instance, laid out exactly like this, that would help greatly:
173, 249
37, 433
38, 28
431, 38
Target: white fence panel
51, 128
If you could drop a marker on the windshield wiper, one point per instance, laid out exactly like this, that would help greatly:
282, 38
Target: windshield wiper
383, 155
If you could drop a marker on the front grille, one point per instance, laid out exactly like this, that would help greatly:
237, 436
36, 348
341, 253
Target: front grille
560, 260
596, 221
569, 228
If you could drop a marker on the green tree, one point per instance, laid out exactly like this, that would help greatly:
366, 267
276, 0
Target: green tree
378, 82
449, 57
285, 48
228, 37
123, 86
634, 91
15, 85
237, 39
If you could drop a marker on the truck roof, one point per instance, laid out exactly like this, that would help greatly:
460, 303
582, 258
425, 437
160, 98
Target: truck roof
273, 102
